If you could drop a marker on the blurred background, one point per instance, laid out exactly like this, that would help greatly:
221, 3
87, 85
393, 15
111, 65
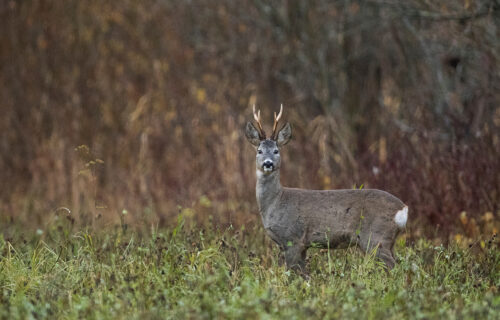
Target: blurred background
134, 110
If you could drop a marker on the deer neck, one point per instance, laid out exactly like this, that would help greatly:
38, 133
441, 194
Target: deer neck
268, 190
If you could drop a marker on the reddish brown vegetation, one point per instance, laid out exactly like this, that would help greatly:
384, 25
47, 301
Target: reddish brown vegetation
402, 97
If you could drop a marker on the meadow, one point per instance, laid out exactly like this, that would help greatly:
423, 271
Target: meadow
131, 114
187, 272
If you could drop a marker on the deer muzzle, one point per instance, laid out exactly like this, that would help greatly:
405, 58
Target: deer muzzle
268, 165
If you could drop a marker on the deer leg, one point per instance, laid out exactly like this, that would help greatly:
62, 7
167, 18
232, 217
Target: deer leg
295, 258
384, 250
386, 256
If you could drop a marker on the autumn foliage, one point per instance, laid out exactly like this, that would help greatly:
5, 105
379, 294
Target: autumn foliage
135, 109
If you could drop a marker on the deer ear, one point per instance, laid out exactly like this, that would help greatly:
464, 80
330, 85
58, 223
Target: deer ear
284, 135
252, 134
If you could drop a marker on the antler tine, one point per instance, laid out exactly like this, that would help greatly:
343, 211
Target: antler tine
276, 120
256, 116
280, 113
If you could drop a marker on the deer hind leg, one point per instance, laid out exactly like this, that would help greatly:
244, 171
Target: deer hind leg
295, 258
384, 250
386, 256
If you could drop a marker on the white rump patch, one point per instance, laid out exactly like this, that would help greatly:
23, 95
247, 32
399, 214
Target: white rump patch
401, 217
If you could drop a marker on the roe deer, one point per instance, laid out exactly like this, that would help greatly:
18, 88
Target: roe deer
297, 219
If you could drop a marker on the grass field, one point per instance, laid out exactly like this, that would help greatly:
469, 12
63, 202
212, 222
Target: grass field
193, 273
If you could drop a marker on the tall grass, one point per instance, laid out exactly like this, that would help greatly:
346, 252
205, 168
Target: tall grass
154, 96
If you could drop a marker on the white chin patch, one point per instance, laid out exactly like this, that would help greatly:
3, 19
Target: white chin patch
268, 169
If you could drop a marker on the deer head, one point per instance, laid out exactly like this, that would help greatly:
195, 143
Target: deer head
268, 149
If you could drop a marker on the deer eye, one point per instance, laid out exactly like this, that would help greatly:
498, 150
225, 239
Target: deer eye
276, 151
259, 151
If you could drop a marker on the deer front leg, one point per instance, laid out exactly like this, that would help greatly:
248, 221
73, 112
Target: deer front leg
295, 257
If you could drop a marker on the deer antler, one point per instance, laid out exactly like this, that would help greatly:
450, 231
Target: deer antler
256, 116
276, 120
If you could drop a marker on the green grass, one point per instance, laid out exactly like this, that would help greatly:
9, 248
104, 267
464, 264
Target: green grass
236, 274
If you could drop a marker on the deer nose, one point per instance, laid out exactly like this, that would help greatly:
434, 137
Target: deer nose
268, 163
